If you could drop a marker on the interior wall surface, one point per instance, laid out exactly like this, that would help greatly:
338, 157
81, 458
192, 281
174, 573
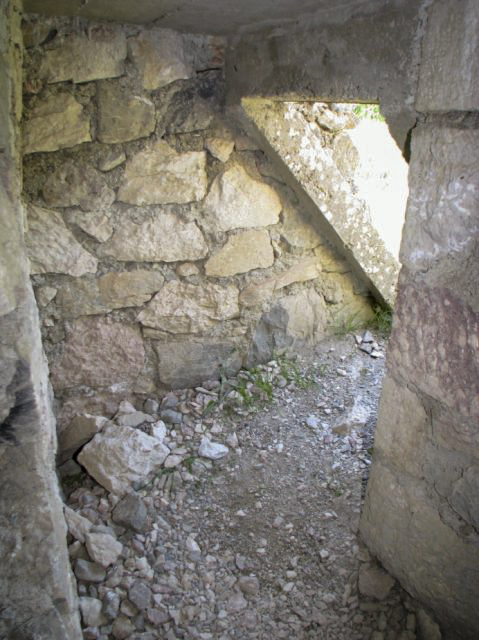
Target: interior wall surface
164, 246
36, 592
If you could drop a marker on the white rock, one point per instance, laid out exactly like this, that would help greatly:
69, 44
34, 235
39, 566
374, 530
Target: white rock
120, 456
158, 430
134, 419
77, 525
172, 461
355, 418
91, 612
103, 548
192, 545
212, 450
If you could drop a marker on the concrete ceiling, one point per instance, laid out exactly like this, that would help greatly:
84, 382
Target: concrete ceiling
206, 16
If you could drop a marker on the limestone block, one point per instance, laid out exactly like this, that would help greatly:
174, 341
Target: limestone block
186, 364
114, 290
158, 237
241, 253
160, 57
186, 308
73, 184
294, 321
220, 148
452, 37
434, 346
96, 224
82, 58
51, 246
302, 271
123, 115
81, 429
297, 230
102, 548
442, 218
57, 122
160, 175
236, 200
119, 457
188, 113
113, 159
98, 353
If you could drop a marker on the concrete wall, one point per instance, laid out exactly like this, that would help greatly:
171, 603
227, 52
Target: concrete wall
36, 592
422, 510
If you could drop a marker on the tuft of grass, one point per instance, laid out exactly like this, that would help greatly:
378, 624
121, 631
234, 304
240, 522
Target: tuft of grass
346, 323
383, 318
291, 372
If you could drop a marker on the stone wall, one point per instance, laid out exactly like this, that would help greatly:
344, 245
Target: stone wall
422, 510
163, 244
36, 590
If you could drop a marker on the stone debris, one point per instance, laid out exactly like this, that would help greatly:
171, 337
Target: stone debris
254, 541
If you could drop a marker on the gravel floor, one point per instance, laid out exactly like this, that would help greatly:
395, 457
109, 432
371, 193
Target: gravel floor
260, 543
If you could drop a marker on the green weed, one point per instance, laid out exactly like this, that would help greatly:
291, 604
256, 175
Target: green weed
346, 323
368, 111
383, 318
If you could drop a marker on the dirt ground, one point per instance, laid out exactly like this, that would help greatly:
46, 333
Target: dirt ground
263, 542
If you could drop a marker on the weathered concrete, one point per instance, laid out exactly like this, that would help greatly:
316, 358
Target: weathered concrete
358, 60
420, 516
36, 589
303, 138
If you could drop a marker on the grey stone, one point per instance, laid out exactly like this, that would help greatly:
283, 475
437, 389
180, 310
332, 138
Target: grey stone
89, 571
74, 184
171, 417
81, 58
118, 457
91, 612
186, 364
160, 175
131, 512
212, 450
249, 585
163, 237
237, 200
295, 320
80, 430
133, 419
374, 582
122, 114
52, 248
140, 594
56, 123
122, 628
110, 605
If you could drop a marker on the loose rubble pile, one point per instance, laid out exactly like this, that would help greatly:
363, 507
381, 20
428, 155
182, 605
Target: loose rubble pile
231, 510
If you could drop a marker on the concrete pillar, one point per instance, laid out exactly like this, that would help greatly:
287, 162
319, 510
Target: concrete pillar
421, 516
37, 599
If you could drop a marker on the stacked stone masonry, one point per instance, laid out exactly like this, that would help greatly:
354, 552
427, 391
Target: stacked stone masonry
160, 238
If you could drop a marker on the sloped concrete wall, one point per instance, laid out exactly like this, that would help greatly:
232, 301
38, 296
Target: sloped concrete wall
36, 591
